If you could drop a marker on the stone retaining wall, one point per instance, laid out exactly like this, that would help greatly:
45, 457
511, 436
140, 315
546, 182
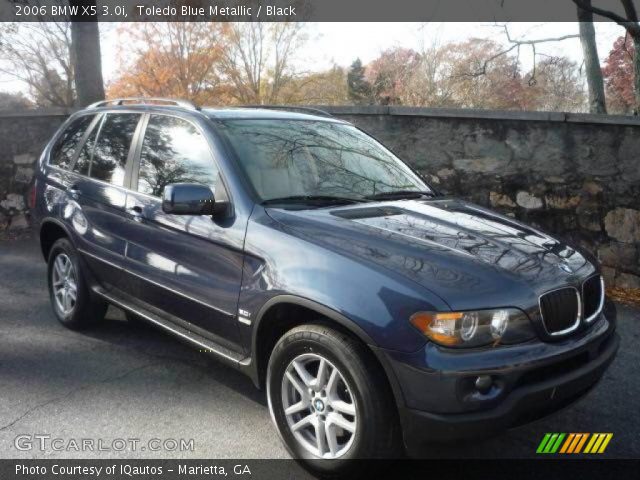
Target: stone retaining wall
23, 135
575, 175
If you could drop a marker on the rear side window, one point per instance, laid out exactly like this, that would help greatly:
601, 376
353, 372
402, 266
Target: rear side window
64, 149
174, 151
83, 162
111, 149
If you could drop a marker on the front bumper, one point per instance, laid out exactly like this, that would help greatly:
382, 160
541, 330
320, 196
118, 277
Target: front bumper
437, 399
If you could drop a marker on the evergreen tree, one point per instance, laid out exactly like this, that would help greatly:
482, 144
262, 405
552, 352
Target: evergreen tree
359, 88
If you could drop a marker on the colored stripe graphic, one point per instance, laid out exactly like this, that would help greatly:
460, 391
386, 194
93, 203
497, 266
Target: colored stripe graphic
544, 441
598, 443
606, 441
567, 443
581, 442
574, 443
592, 442
550, 443
577, 437
555, 447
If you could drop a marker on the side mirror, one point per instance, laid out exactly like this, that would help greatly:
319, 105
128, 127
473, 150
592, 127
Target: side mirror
188, 199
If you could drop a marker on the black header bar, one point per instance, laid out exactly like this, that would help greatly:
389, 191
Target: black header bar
301, 10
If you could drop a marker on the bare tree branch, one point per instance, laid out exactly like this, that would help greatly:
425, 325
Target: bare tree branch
517, 43
630, 24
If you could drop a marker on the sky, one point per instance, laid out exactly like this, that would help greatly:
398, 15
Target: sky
341, 43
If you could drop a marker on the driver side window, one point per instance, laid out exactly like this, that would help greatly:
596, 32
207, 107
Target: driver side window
173, 151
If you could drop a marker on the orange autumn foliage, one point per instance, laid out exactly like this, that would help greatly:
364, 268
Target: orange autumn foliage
175, 59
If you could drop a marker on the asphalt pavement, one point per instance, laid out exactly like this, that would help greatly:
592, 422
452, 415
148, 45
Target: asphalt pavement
133, 384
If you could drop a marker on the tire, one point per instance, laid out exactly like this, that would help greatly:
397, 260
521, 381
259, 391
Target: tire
359, 387
65, 271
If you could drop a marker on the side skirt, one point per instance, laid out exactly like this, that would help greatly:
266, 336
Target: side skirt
229, 357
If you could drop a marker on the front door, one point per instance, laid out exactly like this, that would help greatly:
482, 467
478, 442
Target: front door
186, 267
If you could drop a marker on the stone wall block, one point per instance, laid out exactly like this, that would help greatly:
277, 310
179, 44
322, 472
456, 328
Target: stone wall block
623, 224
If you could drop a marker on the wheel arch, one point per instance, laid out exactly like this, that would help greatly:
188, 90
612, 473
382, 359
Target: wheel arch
264, 338
52, 230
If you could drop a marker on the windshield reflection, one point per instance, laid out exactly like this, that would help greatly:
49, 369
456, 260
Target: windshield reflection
286, 158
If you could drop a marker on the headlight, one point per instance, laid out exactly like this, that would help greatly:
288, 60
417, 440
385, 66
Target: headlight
474, 328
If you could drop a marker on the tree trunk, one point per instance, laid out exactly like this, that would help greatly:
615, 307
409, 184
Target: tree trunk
593, 71
636, 74
85, 45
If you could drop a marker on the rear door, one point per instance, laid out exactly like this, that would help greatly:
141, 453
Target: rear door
58, 176
187, 267
97, 185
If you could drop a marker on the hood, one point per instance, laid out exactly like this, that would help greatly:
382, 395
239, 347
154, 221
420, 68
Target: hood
469, 256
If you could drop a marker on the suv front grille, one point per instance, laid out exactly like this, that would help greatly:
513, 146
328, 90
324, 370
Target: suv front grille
592, 297
560, 310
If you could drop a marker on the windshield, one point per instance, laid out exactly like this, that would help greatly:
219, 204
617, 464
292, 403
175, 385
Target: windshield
306, 160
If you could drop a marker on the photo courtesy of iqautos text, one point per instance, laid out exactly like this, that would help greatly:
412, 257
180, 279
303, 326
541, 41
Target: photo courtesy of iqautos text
298, 239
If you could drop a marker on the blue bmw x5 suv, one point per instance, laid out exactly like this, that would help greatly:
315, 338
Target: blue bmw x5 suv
376, 313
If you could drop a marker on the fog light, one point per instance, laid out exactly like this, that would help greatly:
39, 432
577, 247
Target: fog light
484, 383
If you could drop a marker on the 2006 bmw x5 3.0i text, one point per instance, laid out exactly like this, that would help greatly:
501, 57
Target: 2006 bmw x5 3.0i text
375, 312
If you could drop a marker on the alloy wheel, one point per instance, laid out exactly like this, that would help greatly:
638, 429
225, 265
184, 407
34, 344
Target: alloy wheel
319, 406
64, 283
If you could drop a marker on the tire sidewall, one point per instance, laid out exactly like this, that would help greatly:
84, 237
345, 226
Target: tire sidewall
286, 350
74, 318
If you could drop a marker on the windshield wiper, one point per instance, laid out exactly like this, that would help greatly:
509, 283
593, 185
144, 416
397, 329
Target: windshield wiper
321, 199
397, 194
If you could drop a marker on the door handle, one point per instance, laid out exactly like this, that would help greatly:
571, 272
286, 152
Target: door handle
136, 213
74, 192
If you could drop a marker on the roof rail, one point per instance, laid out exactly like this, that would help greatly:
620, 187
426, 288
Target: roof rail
291, 108
144, 100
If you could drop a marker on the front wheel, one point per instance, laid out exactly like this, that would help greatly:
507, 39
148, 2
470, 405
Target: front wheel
329, 399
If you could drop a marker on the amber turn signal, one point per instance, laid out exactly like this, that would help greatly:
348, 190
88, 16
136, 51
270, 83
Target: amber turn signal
440, 327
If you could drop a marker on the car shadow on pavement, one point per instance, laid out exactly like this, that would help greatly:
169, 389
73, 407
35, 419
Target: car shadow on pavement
145, 339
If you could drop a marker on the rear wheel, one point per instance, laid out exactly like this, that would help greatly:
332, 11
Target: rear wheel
74, 305
329, 399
